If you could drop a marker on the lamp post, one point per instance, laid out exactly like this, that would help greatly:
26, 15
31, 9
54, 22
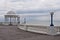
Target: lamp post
52, 19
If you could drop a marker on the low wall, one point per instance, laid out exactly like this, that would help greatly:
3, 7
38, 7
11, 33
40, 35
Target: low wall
51, 30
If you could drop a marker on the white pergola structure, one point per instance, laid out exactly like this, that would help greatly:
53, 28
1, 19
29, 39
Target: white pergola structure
12, 18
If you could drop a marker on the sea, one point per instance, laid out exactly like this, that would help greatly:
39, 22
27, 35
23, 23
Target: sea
37, 19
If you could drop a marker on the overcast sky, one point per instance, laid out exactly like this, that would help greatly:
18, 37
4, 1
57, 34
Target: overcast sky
34, 5
31, 5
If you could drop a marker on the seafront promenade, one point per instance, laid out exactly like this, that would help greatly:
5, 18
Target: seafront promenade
14, 33
15, 30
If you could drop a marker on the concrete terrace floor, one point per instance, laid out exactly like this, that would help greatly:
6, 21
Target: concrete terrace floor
13, 33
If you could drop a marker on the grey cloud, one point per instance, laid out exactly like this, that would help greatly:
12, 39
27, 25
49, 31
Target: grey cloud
32, 11
37, 11
20, 0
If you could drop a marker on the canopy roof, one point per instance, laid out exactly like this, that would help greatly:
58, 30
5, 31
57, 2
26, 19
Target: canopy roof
11, 14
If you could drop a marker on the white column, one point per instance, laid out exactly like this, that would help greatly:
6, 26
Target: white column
15, 20
18, 20
10, 21
24, 20
6, 19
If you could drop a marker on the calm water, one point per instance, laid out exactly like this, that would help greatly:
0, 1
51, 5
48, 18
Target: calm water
44, 23
43, 19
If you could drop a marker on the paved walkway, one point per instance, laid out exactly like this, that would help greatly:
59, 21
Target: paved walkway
13, 33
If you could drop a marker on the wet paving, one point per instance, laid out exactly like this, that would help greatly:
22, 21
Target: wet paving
13, 33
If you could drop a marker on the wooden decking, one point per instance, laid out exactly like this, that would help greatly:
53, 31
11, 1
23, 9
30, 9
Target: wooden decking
13, 33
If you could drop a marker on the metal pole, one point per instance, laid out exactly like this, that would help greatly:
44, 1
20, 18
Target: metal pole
51, 28
52, 19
